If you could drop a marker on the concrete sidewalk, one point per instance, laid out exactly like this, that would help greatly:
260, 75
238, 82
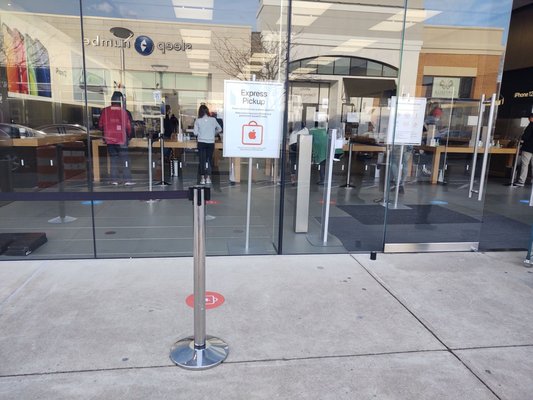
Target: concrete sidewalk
408, 326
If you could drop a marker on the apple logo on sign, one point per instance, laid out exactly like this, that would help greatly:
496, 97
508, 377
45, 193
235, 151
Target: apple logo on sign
252, 135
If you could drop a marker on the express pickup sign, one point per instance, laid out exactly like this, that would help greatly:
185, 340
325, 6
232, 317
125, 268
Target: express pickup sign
253, 114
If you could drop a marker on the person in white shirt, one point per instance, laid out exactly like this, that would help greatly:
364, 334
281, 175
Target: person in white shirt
205, 129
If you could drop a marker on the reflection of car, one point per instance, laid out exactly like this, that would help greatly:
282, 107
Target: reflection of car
16, 131
5, 140
62, 129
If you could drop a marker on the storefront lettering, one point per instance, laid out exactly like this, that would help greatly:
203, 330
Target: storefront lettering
164, 47
169, 46
250, 97
99, 42
523, 94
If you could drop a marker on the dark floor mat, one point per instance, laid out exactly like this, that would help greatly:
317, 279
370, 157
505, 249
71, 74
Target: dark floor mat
502, 233
417, 214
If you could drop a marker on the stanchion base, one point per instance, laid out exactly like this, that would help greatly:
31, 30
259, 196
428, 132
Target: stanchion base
185, 355
348, 186
162, 183
316, 240
62, 220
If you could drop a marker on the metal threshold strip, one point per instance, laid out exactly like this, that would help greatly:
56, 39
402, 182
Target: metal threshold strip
430, 247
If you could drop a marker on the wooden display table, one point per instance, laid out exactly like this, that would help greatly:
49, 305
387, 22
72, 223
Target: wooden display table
438, 150
47, 140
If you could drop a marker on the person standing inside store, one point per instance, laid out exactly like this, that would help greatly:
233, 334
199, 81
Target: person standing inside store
168, 130
115, 122
167, 123
527, 152
205, 129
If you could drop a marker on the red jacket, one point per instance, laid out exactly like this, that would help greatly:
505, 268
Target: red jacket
116, 125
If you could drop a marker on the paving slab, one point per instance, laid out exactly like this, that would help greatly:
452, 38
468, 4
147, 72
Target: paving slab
14, 274
428, 375
466, 299
506, 370
95, 314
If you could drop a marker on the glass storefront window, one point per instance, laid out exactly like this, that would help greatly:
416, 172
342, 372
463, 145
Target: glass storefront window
348, 64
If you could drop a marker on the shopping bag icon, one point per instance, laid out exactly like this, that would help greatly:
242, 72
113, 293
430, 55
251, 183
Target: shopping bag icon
252, 134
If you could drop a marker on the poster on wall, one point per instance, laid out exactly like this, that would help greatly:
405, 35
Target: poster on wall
253, 115
445, 87
409, 115
27, 62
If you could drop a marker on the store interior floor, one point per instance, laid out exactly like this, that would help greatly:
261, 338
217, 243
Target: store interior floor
425, 213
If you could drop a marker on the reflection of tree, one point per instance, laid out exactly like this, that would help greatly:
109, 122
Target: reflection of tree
264, 57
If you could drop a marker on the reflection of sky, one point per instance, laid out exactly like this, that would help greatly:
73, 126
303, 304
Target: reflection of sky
487, 13
229, 12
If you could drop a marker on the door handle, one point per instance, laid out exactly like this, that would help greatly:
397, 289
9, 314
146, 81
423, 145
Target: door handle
482, 178
476, 141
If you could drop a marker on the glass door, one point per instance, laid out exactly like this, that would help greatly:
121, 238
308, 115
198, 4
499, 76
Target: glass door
436, 188
443, 127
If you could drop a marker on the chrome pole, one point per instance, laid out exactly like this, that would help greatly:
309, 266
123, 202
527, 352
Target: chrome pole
248, 205
199, 268
199, 351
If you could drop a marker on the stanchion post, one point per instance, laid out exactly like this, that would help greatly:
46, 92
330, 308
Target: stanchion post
349, 173
200, 351
63, 217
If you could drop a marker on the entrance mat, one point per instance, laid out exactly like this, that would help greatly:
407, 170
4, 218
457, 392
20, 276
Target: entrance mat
21, 244
502, 233
417, 214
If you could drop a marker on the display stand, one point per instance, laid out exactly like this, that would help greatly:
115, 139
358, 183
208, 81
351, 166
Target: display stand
325, 239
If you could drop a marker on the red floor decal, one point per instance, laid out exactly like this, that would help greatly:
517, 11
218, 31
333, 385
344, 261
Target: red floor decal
212, 300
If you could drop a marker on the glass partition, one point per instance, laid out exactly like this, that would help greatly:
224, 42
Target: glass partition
167, 63
44, 133
114, 102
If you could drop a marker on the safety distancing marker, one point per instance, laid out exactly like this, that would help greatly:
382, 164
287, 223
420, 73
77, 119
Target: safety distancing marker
212, 202
95, 202
332, 202
212, 300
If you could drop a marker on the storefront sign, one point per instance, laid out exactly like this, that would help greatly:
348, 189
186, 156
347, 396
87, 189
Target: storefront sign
252, 119
143, 44
446, 88
523, 94
407, 123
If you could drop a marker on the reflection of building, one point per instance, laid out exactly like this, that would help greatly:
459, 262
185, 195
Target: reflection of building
186, 50
355, 67
339, 70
